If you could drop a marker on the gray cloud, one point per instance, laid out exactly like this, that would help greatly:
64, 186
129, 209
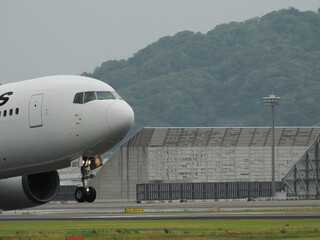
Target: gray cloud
42, 37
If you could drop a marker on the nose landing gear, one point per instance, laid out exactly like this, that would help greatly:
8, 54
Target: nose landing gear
87, 193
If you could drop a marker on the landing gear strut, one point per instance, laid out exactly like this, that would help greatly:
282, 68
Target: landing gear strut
86, 193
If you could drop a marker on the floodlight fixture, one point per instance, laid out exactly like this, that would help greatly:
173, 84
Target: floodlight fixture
271, 100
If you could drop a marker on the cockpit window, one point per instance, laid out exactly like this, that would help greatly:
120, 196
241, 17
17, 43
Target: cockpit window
89, 96
84, 97
78, 98
116, 95
104, 95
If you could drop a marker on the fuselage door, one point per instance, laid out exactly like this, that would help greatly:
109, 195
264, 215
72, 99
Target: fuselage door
35, 111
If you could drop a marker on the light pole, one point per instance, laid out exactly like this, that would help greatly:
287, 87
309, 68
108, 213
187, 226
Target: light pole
272, 101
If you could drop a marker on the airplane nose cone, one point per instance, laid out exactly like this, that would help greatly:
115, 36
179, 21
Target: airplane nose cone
120, 118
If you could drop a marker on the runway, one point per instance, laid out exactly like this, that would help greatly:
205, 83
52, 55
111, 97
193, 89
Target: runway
166, 211
157, 216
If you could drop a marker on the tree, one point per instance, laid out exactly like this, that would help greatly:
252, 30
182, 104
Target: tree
194, 79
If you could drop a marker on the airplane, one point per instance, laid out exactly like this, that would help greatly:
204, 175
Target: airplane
45, 124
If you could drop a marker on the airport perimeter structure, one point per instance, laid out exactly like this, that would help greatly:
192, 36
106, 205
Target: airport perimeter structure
211, 163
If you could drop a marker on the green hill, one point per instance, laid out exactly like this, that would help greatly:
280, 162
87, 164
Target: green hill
219, 78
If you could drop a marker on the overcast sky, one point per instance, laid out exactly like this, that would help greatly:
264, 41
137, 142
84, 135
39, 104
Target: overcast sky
42, 37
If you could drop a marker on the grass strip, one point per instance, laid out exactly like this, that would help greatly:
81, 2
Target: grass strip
163, 229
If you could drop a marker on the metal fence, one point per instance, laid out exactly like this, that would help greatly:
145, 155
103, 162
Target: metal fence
190, 191
220, 190
65, 193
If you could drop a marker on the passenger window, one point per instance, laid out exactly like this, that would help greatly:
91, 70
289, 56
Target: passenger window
0, 113
78, 98
10, 112
89, 96
5, 113
104, 95
17, 111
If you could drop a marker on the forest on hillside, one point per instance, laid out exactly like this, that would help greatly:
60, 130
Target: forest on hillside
219, 78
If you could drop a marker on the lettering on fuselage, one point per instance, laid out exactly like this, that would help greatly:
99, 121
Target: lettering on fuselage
4, 98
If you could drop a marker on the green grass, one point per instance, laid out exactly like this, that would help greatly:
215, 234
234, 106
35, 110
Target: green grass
163, 229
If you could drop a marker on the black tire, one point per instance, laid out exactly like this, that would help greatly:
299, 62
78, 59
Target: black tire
80, 194
91, 195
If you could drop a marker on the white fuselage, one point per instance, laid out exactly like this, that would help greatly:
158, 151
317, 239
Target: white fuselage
42, 129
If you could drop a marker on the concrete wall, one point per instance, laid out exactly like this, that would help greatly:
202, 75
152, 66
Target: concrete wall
117, 179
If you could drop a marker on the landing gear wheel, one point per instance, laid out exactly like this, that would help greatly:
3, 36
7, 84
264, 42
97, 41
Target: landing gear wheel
86, 193
91, 195
80, 194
